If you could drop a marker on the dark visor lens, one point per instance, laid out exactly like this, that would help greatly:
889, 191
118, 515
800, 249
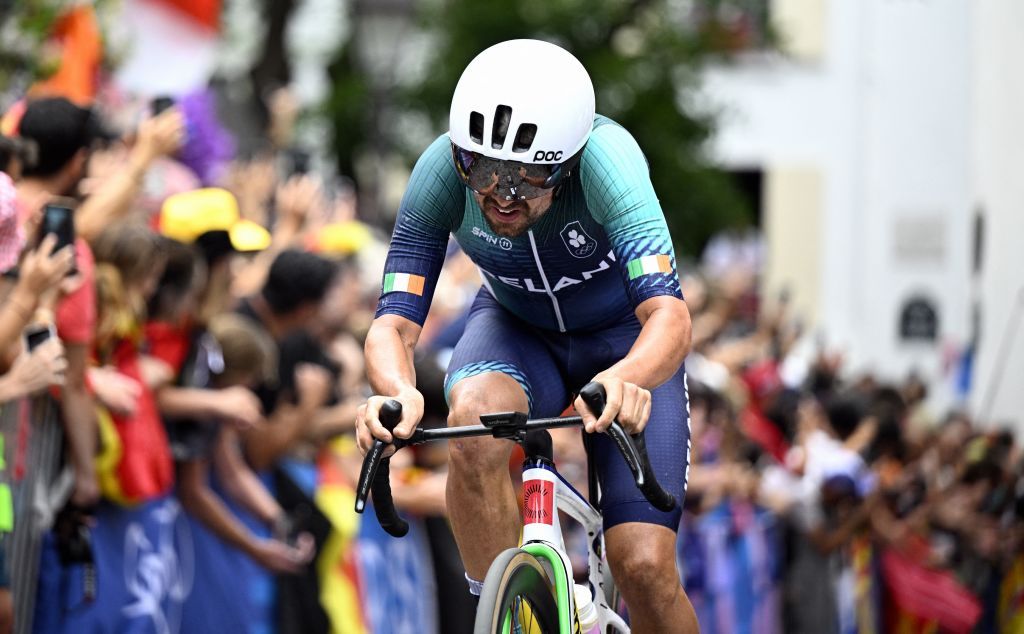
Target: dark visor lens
510, 180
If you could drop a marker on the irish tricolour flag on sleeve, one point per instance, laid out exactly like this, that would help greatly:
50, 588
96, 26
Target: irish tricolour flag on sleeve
403, 282
649, 264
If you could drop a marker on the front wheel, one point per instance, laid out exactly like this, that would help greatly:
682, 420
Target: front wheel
516, 597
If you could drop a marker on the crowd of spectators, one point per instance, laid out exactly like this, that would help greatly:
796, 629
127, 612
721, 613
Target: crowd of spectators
196, 334
203, 344
875, 513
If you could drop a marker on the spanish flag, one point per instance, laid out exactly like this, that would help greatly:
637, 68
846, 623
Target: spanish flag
1011, 599
337, 565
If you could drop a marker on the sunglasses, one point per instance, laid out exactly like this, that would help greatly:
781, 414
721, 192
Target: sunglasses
510, 180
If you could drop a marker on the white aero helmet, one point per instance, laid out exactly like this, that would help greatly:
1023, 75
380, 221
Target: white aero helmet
526, 101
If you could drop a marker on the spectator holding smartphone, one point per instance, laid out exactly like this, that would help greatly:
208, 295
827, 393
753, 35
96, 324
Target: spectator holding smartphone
34, 371
40, 272
63, 134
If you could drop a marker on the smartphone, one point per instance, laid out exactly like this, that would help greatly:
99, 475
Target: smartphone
159, 104
59, 219
298, 162
36, 335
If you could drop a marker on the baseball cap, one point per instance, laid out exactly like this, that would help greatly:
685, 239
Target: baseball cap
59, 129
209, 217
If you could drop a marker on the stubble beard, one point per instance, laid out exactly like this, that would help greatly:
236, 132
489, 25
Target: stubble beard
527, 218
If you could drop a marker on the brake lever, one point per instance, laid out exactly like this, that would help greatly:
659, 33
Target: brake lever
627, 447
368, 472
372, 477
633, 449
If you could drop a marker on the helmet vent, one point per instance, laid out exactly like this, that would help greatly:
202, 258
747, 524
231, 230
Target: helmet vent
524, 137
476, 127
502, 118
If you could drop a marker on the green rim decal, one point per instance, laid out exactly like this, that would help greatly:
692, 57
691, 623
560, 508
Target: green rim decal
543, 551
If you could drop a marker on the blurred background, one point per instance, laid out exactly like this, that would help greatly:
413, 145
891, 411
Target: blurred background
839, 179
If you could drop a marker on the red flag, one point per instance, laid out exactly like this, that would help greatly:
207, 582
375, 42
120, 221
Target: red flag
205, 12
929, 595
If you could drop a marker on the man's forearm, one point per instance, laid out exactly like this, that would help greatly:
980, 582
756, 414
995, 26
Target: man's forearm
266, 443
10, 388
15, 313
334, 420
659, 350
241, 483
389, 355
114, 198
186, 402
203, 504
79, 413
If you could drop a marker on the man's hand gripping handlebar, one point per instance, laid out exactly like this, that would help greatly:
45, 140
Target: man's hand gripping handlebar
375, 476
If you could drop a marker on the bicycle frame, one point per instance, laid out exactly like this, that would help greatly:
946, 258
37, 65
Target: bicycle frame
545, 492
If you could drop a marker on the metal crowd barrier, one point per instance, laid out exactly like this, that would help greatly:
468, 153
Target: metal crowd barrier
33, 442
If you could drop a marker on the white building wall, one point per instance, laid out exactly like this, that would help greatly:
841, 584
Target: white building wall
884, 115
998, 170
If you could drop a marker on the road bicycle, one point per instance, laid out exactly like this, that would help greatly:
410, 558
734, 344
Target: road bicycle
530, 589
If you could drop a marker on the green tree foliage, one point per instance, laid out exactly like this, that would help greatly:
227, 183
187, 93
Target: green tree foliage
349, 107
25, 27
644, 58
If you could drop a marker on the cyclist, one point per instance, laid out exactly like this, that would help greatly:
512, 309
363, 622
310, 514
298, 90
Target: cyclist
555, 206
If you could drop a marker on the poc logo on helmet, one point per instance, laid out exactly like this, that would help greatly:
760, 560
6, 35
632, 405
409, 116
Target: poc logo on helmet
548, 157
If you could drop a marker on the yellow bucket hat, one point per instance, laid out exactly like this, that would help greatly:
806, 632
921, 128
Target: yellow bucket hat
187, 216
341, 238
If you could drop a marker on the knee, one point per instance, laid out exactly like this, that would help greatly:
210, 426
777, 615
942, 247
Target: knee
645, 572
468, 404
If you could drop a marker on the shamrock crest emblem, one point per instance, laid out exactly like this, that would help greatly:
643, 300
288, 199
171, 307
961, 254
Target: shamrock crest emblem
580, 244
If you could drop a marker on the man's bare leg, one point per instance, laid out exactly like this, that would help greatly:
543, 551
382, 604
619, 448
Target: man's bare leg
481, 502
643, 561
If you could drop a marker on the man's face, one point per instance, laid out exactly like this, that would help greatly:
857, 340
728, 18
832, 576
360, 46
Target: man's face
512, 218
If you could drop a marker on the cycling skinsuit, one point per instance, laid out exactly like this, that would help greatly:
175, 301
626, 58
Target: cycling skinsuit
557, 303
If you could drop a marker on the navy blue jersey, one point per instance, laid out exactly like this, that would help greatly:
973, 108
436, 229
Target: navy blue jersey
600, 250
